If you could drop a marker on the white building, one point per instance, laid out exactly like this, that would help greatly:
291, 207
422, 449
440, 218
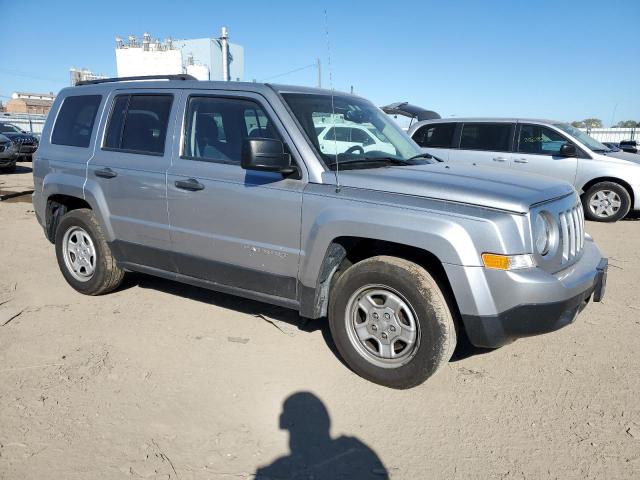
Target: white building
82, 75
200, 57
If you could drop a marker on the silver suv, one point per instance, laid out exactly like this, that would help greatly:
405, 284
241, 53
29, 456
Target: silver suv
225, 186
608, 180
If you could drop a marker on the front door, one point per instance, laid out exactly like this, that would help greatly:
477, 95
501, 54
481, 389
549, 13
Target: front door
538, 151
130, 168
232, 226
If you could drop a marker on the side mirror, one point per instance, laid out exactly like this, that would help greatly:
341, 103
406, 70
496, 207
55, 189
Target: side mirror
265, 154
568, 150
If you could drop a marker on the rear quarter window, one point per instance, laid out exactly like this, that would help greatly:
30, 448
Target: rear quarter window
438, 135
75, 121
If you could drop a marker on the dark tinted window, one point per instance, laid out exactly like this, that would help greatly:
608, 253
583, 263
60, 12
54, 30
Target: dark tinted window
485, 136
139, 123
540, 140
438, 136
74, 123
217, 127
361, 137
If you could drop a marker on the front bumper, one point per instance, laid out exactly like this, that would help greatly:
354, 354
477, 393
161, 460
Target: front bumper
505, 306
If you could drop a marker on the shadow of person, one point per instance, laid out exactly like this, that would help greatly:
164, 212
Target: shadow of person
314, 454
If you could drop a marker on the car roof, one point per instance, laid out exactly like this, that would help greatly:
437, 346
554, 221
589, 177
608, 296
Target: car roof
491, 120
256, 87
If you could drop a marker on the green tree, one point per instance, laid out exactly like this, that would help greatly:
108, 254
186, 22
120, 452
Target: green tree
577, 124
593, 123
627, 124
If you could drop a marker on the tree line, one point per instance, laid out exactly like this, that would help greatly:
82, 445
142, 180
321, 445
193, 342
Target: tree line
597, 123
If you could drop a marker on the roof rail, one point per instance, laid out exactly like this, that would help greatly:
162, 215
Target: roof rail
142, 77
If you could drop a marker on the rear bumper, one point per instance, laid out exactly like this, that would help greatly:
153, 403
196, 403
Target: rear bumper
500, 307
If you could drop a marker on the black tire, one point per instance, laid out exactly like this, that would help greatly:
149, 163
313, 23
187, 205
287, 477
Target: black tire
436, 338
619, 190
107, 275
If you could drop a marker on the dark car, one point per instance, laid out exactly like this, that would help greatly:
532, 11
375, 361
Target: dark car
630, 146
27, 143
615, 147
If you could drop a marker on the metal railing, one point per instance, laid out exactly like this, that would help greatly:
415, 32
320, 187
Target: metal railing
613, 134
28, 122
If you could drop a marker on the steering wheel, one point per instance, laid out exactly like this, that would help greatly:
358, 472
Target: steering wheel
354, 149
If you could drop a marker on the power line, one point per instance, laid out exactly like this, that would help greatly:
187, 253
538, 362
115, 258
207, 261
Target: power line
289, 72
15, 73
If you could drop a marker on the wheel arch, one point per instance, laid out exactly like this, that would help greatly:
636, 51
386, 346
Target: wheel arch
344, 251
619, 181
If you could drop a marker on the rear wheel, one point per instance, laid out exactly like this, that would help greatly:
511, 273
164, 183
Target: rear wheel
83, 254
606, 202
391, 322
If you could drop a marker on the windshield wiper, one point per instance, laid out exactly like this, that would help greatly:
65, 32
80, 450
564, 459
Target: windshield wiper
426, 155
395, 161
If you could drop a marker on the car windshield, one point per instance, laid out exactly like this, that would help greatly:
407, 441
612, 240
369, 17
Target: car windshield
8, 128
351, 131
582, 137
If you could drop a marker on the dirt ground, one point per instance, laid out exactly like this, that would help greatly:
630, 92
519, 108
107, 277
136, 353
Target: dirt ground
161, 380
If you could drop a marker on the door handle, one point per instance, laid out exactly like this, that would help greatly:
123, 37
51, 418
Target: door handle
106, 173
521, 160
192, 185
499, 159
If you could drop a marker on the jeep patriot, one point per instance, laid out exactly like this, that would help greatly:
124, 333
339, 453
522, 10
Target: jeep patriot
224, 185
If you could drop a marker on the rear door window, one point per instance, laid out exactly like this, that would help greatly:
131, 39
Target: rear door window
138, 123
438, 135
486, 136
74, 124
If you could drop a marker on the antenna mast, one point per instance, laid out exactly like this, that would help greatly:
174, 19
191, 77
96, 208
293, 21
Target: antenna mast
333, 111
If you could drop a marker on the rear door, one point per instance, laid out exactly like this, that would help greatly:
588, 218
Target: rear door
436, 138
231, 226
484, 143
130, 169
538, 151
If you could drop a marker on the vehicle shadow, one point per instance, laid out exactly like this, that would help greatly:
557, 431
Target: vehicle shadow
232, 302
632, 216
313, 453
464, 348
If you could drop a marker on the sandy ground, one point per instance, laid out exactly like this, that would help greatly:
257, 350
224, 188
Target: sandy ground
160, 380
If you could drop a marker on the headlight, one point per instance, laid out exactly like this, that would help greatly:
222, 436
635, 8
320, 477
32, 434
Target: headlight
543, 233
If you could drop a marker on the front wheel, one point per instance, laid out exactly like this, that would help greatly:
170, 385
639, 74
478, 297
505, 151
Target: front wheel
390, 322
606, 202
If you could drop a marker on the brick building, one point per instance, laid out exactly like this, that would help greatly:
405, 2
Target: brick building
25, 102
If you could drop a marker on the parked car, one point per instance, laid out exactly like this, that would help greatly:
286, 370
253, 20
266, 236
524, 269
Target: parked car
399, 251
350, 136
630, 146
613, 146
8, 155
26, 143
608, 181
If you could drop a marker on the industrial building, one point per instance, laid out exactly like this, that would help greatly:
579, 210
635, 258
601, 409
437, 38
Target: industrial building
82, 74
200, 57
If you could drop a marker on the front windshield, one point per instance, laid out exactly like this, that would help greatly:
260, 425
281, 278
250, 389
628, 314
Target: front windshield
348, 130
582, 137
8, 128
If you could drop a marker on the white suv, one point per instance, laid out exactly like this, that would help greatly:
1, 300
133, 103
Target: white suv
608, 180
345, 137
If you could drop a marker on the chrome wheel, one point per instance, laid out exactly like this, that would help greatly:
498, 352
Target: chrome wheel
79, 254
605, 203
382, 326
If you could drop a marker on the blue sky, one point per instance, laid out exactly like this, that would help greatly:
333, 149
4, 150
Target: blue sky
565, 60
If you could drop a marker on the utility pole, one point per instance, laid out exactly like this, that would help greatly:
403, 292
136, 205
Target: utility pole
318, 66
224, 43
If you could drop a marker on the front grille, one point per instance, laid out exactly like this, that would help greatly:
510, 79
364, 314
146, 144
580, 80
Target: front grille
571, 232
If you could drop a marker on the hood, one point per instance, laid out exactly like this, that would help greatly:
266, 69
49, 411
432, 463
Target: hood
20, 137
3, 138
482, 186
620, 155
